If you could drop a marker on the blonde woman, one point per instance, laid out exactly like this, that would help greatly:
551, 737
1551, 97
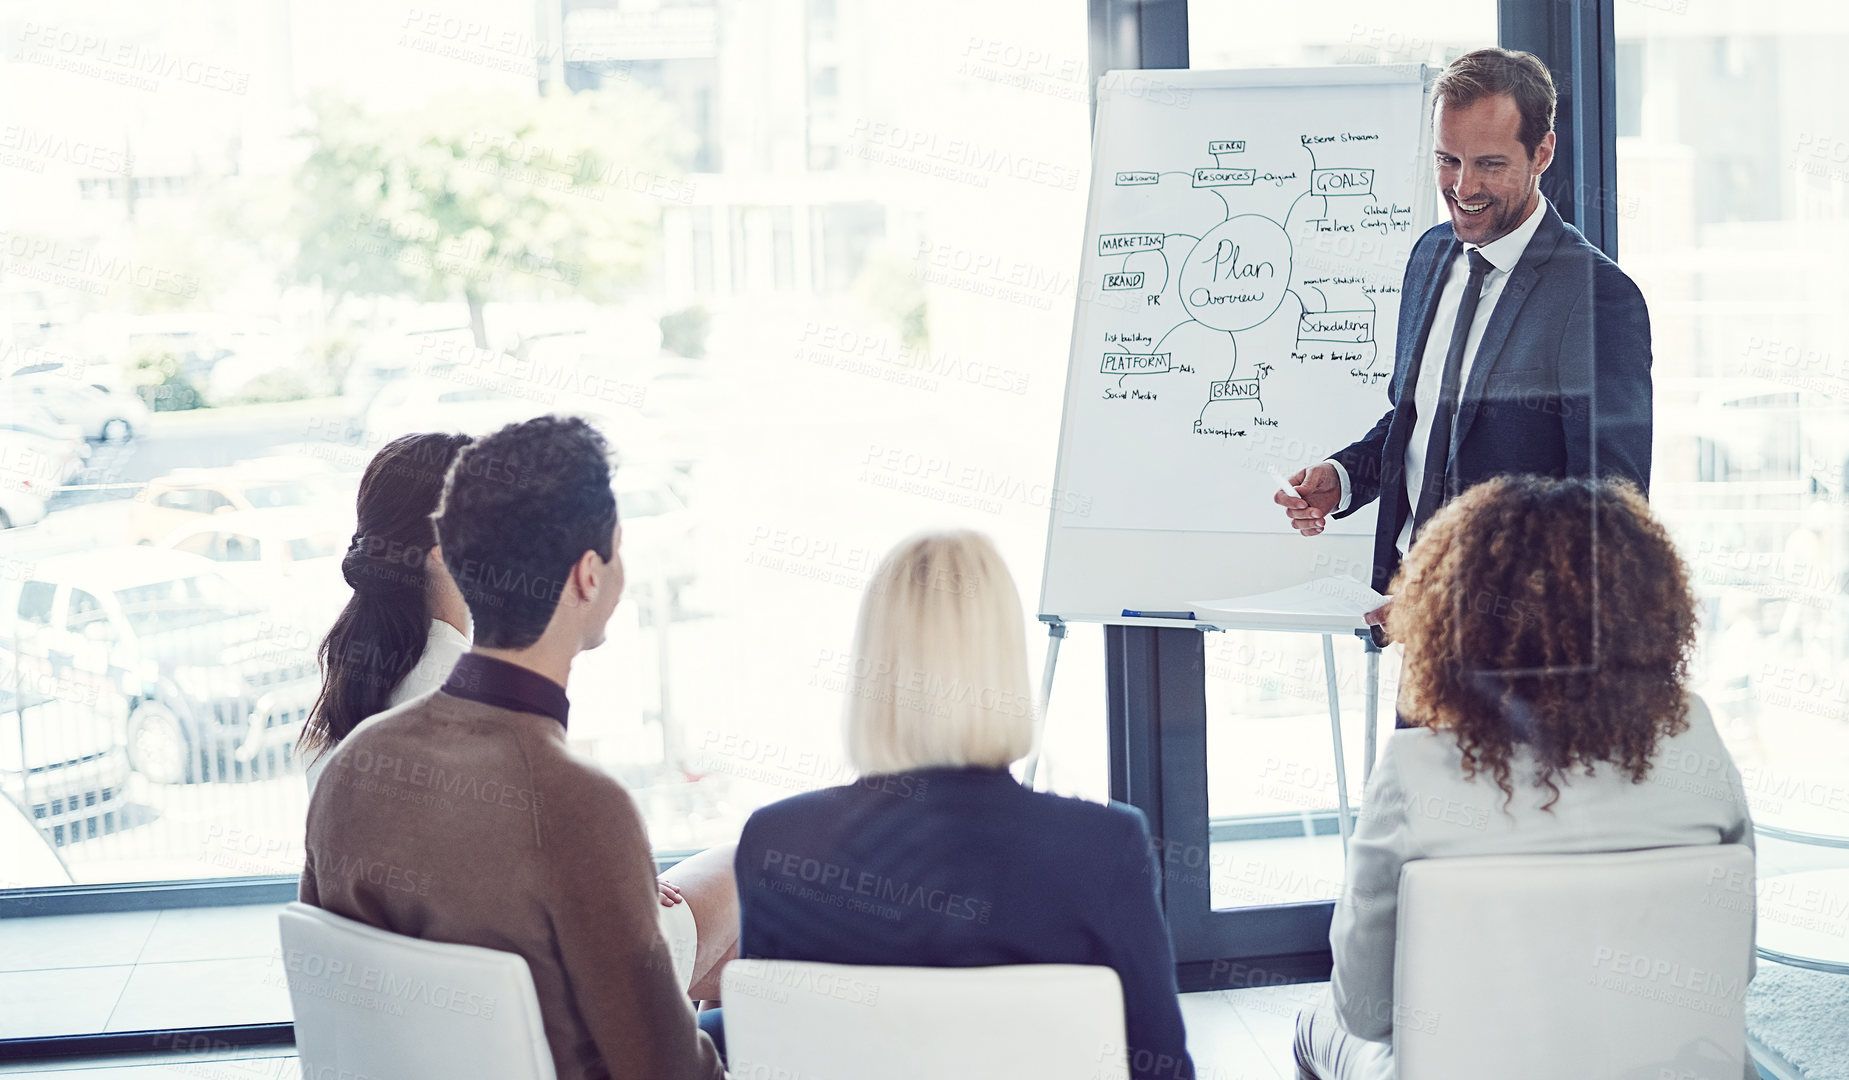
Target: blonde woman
937, 856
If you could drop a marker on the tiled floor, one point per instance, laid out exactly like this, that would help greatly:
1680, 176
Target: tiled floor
1245, 1034
140, 970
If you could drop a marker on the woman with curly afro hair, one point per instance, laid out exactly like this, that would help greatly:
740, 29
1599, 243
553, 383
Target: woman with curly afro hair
1548, 626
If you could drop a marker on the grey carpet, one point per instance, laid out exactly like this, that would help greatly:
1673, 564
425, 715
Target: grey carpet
1803, 1017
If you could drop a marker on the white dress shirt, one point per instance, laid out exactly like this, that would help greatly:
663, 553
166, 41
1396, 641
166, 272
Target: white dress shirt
442, 649
1503, 255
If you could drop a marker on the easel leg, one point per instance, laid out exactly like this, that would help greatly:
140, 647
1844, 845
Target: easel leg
1056, 633
1344, 816
1373, 706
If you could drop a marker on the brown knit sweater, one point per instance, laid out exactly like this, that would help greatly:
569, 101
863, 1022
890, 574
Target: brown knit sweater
455, 821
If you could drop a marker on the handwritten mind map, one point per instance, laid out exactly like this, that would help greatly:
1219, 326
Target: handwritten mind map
1246, 275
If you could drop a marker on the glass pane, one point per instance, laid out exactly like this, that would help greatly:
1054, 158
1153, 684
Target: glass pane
1338, 32
1271, 787
810, 266
35, 600
204, 543
1733, 211
85, 609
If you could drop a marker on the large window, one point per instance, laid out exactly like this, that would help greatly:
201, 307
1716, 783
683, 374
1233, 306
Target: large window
810, 265
1733, 211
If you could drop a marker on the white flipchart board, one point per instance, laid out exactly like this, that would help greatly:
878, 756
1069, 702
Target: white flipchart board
1244, 248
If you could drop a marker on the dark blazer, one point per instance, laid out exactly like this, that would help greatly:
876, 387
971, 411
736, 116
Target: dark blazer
1560, 385
965, 868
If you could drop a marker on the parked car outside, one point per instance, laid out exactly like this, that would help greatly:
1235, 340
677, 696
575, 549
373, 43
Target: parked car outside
27, 859
289, 556
20, 502
215, 687
187, 495
35, 446
423, 403
97, 413
62, 754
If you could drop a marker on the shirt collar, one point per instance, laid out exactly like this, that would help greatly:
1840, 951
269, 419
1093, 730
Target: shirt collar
1503, 253
506, 686
442, 631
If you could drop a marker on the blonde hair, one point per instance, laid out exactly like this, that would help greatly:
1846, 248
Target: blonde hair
939, 667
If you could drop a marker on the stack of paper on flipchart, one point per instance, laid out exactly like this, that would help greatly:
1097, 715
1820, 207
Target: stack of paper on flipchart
1329, 605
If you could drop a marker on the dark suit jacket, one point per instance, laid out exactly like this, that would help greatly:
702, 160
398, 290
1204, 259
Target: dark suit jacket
965, 868
1560, 385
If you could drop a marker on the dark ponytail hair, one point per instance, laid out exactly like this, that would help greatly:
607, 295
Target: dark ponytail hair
380, 635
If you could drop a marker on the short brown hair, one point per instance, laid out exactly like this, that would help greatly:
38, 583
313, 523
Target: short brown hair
1521, 75
1551, 613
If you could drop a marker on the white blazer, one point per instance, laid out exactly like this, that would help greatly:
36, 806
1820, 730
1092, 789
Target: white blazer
442, 649
1418, 805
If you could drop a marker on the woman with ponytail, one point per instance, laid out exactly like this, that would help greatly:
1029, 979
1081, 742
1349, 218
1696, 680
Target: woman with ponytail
406, 624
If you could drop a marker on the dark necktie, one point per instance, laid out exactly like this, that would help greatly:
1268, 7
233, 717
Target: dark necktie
1438, 451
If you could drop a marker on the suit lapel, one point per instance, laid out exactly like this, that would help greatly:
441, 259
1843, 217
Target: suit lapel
1413, 357
1434, 284
1393, 505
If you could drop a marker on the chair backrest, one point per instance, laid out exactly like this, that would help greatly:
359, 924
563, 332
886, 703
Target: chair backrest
369, 1002
787, 1018
1629, 965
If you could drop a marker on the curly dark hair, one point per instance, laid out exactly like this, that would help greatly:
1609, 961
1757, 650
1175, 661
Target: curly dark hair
1551, 613
522, 507
379, 636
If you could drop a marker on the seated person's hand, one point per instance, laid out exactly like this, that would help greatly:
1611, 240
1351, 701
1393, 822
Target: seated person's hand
669, 894
1319, 490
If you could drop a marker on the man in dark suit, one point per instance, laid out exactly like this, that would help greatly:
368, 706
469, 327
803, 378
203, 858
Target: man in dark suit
1521, 347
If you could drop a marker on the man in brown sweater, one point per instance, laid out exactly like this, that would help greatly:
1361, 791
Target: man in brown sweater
463, 817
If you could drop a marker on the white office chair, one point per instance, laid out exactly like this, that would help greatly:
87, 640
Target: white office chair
373, 1003
369, 1002
1627, 965
1026, 1022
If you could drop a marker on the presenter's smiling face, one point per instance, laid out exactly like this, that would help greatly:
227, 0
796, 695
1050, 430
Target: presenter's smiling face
1488, 178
